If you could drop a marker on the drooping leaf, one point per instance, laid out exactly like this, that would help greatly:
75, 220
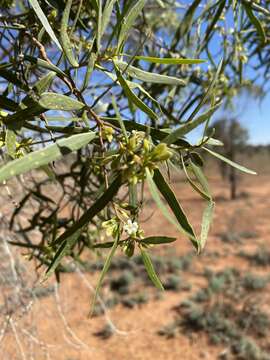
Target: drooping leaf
255, 21
105, 18
54, 101
102, 274
150, 269
158, 184
170, 197
206, 222
204, 194
66, 43
149, 76
230, 162
44, 21
44, 156
129, 20
197, 171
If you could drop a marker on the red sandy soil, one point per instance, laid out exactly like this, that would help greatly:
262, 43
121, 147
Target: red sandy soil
137, 337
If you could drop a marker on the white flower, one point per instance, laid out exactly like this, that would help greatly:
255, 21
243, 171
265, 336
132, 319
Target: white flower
131, 228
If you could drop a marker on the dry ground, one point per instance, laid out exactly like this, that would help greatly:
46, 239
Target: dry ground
68, 334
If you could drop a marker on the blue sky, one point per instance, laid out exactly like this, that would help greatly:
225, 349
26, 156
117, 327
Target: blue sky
253, 115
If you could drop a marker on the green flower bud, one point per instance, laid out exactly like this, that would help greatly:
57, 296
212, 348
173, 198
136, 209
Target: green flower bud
129, 248
161, 153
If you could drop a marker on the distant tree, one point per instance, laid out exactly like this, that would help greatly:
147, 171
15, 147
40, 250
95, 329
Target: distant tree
234, 137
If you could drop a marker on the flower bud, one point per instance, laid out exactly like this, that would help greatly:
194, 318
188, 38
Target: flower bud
161, 153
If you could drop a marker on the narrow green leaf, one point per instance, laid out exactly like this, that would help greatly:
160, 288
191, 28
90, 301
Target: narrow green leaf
17, 119
89, 70
63, 118
157, 240
170, 197
211, 141
44, 156
150, 270
161, 3
44, 21
206, 223
63, 250
10, 140
119, 118
105, 245
202, 193
103, 273
133, 97
129, 20
207, 93
99, 205
148, 76
231, 163
40, 86
134, 85
53, 101
66, 43
197, 171
107, 12
186, 128
13, 78
178, 212
155, 133
212, 24
255, 21
185, 23
169, 61
45, 65
8, 104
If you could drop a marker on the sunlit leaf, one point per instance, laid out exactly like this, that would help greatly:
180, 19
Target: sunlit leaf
150, 269
189, 126
44, 21
66, 43
149, 76
129, 20
44, 156
133, 97
230, 162
54, 101
206, 222
169, 61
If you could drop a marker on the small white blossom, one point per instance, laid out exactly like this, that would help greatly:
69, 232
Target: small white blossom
131, 228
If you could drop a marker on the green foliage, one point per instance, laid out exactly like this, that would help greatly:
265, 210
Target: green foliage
123, 133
